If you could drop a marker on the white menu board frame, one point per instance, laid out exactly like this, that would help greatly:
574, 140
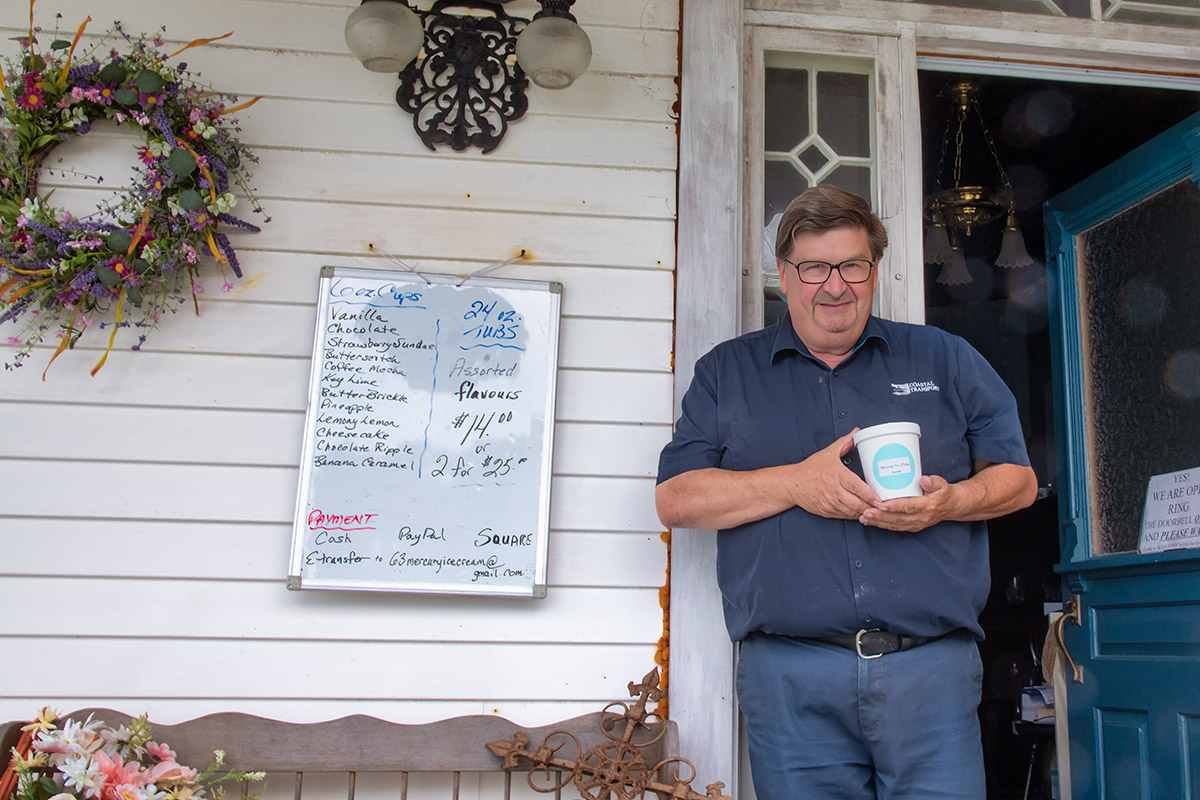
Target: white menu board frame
428, 435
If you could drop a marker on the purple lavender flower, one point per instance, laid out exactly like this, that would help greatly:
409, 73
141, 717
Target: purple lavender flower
229, 219
81, 71
225, 247
44, 230
160, 121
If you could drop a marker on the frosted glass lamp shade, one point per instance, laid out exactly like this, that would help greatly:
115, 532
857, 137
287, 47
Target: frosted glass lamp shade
937, 244
955, 271
553, 51
1013, 252
385, 35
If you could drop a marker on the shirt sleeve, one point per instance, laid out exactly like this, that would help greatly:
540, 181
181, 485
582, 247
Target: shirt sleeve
993, 424
696, 443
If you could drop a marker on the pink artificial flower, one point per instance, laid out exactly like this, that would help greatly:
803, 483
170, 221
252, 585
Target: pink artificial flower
160, 751
33, 100
196, 115
14, 341
170, 771
197, 288
116, 772
226, 287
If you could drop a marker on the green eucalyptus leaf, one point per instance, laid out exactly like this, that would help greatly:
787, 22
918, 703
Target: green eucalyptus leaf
107, 276
149, 81
34, 63
59, 44
181, 162
190, 199
126, 97
142, 266
119, 241
134, 294
112, 72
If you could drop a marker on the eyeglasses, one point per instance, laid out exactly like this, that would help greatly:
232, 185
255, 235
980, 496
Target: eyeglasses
856, 270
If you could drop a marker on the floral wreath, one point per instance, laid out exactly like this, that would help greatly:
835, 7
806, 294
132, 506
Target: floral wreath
140, 249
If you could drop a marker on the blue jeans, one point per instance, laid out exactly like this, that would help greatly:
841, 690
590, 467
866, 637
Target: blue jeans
823, 723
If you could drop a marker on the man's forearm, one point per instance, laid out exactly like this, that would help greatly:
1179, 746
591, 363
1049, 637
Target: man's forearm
993, 491
715, 499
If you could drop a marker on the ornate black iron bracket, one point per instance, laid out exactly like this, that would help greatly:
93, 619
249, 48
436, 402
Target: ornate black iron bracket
616, 769
466, 86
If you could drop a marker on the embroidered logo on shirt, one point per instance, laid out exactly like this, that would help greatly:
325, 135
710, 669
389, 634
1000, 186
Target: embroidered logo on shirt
900, 389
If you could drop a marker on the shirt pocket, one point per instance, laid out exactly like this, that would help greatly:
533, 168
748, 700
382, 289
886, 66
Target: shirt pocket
758, 442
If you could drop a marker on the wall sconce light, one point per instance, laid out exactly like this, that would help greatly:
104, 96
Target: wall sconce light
463, 75
953, 212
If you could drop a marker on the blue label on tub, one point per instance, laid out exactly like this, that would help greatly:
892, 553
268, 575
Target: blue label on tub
893, 466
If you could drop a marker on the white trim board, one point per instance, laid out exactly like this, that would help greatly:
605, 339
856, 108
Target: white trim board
1052, 72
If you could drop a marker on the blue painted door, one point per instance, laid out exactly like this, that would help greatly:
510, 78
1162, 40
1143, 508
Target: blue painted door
1123, 256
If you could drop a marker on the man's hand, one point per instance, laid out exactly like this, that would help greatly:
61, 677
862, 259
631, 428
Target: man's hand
992, 491
912, 514
716, 499
821, 484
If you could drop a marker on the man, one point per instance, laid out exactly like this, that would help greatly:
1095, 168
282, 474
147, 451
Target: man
858, 674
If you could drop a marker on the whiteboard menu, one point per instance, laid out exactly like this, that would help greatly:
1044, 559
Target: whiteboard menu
428, 436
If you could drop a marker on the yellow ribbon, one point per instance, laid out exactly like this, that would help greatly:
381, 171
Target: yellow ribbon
63, 344
4, 90
212, 189
197, 43
112, 336
239, 106
213, 246
20, 271
62, 77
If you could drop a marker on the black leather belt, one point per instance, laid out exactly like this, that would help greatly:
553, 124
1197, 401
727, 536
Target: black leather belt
876, 643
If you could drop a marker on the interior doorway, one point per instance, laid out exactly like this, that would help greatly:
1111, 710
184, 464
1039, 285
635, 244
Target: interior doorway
1048, 135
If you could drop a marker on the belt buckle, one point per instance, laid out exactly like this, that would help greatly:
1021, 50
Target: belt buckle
858, 644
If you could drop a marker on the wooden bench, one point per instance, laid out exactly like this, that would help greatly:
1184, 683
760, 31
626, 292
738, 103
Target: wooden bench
363, 752
620, 753
361, 746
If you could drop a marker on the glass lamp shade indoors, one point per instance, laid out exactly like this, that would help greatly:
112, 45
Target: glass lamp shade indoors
553, 51
385, 35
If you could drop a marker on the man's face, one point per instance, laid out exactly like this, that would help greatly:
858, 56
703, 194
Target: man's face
828, 317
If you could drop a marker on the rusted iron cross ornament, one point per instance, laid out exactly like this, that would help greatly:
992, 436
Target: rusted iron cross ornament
616, 769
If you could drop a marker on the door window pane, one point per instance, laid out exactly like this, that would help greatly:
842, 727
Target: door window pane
841, 99
818, 127
1139, 280
786, 120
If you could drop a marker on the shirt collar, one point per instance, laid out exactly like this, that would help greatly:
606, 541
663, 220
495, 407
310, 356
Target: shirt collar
786, 339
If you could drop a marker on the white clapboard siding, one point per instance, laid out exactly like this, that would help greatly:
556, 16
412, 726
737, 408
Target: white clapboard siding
324, 669
216, 610
316, 25
601, 291
55, 547
158, 496
169, 711
202, 381
383, 128
234, 493
372, 179
315, 227
584, 342
133, 433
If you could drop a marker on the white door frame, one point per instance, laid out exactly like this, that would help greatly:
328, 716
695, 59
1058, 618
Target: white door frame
710, 252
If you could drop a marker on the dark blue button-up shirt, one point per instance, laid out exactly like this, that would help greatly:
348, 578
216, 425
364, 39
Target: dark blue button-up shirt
763, 400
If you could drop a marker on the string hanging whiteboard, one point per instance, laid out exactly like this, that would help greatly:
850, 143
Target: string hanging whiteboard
428, 435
